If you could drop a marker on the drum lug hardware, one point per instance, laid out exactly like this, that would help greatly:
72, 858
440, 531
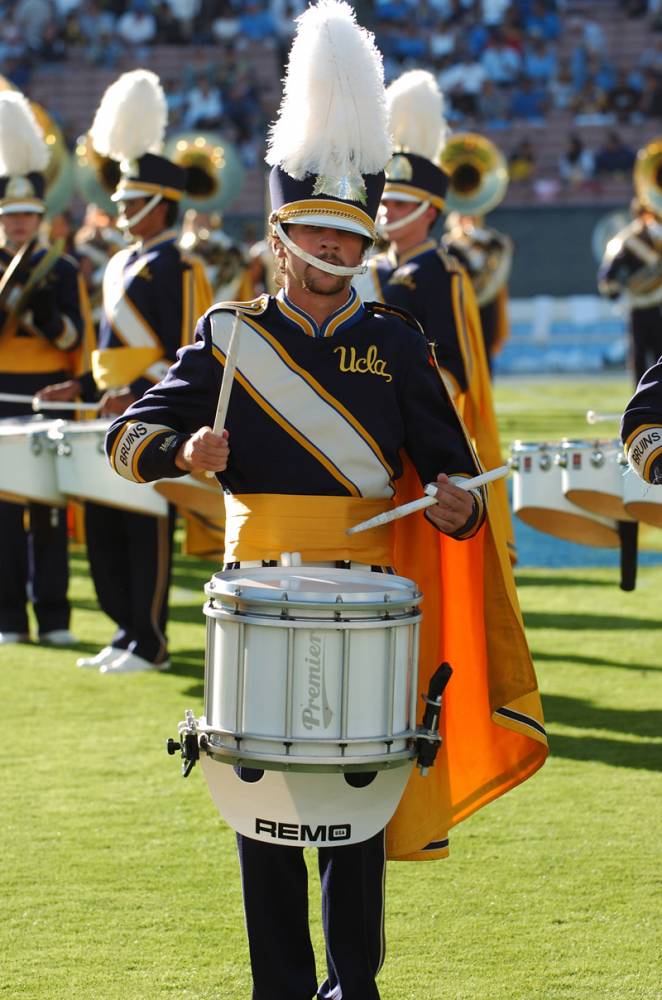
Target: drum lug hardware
428, 739
597, 459
189, 746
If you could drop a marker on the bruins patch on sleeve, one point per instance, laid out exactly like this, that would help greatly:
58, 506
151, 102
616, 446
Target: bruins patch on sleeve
383, 308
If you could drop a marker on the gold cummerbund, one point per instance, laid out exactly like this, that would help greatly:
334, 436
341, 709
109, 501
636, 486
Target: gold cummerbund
113, 367
263, 525
33, 355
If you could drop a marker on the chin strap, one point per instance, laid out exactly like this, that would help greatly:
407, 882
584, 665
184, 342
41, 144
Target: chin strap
323, 265
386, 228
124, 223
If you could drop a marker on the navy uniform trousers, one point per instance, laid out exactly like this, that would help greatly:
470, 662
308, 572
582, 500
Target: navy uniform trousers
275, 888
130, 556
35, 562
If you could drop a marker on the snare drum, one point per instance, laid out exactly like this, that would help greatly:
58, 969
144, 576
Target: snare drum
83, 471
311, 684
539, 500
27, 462
592, 476
643, 501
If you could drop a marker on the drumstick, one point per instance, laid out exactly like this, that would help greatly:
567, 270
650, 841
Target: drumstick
228, 377
42, 404
428, 500
597, 418
226, 383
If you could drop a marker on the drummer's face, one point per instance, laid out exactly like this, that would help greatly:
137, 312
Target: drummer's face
17, 227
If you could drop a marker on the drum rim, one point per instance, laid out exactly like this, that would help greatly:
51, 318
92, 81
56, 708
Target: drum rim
399, 590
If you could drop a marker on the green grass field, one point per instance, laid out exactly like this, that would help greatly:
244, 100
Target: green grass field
120, 881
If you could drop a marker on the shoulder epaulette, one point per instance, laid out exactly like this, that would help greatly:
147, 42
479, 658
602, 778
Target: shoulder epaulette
253, 307
389, 310
450, 261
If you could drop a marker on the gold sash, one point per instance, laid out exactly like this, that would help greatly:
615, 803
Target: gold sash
117, 366
263, 525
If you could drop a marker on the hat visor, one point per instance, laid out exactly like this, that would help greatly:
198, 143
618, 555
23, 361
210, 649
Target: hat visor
400, 196
333, 221
14, 207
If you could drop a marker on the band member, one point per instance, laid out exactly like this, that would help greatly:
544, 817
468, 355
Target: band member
202, 234
43, 312
487, 256
151, 297
328, 395
632, 269
641, 427
94, 244
418, 275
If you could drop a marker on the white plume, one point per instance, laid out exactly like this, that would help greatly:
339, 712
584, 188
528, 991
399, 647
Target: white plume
22, 146
417, 120
332, 119
132, 117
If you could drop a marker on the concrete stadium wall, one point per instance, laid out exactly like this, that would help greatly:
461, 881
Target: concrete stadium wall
554, 246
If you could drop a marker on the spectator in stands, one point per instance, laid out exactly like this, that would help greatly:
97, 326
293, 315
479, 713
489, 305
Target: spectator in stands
589, 106
501, 62
176, 100
651, 58
541, 22
94, 21
256, 22
185, 13
539, 62
493, 11
168, 28
614, 157
204, 105
52, 47
560, 88
137, 28
623, 99
529, 103
651, 95
576, 164
493, 105
522, 161
31, 17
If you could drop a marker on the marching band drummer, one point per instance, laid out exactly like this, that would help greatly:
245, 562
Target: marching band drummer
419, 275
152, 295
631, 268
43, 315
328, 394
641, 427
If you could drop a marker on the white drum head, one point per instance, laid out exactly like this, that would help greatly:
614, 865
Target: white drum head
295, 809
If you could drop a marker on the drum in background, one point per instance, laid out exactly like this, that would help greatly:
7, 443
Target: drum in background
83, 471
310, 697
592, 476
27, 462
643, 501
197, 493
539, 500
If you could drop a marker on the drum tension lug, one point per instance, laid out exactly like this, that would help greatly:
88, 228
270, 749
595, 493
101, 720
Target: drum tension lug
428, 739
190, 751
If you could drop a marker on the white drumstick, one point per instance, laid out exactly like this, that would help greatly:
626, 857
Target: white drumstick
428, 500
598, 418
42, 404
226, 384
228, 377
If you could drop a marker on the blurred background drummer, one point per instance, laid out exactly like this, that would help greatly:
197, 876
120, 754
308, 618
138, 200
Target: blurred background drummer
152, 295
44, 313
419, 275
631, 267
